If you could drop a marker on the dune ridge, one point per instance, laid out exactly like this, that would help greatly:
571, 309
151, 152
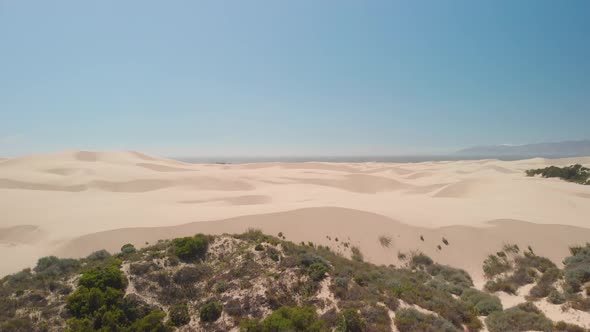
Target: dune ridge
73, 197
323, 225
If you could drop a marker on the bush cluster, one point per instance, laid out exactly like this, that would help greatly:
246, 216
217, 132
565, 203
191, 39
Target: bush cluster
210, 311
191, 248
411, 320
301, 319
98, 305
573, 173
483, 303
577, 268
523, 317
179, 315
52, 266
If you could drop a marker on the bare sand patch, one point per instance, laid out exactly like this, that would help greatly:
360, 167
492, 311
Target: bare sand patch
360, 183
86, 156
237, 200
28, 234
15, 184
163, 168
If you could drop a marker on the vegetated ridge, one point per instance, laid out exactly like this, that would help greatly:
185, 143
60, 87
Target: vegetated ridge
256, 282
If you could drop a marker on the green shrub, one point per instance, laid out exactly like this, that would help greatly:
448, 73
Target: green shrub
191, 248
524, 317
566, 327
376, 318
317, 271
98, 255
150, 323
84, 302
541, 290
259, 247
419, 260
556, 297
356, 254
577, 268
573, 173
179, 315
103, 277
273, 254
494, 265
414, 291
483, 303
52, 266
458, 278
501, 286
221, 287
316, 266
411, 320
301, 319
128, 248
210, 311
350, 321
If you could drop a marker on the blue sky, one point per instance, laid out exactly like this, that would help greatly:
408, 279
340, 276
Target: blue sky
260, 78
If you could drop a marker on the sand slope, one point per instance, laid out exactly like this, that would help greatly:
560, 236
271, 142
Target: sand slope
74, 202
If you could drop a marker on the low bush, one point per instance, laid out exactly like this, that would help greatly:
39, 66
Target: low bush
98, 255
459, 279
210, 311
577, 268
356, 254
501, 286
411, 320
375, 318
301, 319
573, 173
191, 248
415, 291
315, 266
420, 260
556, 297
350, 321
52, 266
103, 277
128, 248
179, 315
567, 327
524, 317
483, 303
494, 265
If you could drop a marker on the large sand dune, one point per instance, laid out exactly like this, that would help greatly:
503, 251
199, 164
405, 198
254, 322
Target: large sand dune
75, 202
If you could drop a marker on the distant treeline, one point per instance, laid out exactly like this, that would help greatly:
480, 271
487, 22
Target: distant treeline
574, 173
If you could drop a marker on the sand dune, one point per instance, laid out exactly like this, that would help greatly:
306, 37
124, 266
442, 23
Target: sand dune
27, 234
360, 183
324, 225
81, 201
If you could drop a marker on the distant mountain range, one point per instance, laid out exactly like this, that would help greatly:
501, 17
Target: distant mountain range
553, 149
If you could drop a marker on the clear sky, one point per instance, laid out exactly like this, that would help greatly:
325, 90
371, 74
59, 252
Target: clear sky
194, 78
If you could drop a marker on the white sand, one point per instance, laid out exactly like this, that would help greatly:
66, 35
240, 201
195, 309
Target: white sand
73, 203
